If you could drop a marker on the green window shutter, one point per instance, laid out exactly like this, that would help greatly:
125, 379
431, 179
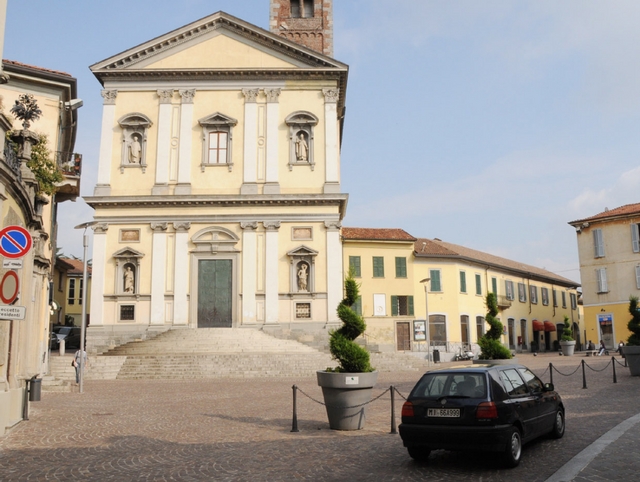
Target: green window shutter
463, 282
394, 305
494, 286
435, 280
378, 267
354, 265
478, 285
410, 303
401, 267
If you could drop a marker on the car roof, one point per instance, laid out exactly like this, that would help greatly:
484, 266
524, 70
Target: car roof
483, 368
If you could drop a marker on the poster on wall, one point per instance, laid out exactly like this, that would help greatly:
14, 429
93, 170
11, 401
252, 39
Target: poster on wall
605, 321
419, 330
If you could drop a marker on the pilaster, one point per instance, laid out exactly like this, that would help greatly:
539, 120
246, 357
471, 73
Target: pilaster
272, 313
163, 150
249, 261
98, 273
334, 269
184, 157
181, 274
272, 185
332, 172
158, 272
249, 184
103, 185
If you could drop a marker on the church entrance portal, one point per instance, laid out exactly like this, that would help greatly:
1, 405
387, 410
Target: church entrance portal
214, 293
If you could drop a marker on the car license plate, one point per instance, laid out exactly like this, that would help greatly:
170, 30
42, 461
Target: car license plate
443, 412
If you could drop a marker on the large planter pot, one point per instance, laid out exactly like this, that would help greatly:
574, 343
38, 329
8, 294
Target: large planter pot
632, 354
568, 347
344, 390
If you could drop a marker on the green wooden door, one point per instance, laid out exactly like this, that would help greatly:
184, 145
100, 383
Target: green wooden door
214, 293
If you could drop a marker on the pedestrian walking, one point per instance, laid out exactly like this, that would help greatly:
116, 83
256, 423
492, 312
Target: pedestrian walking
80, 354
603, 349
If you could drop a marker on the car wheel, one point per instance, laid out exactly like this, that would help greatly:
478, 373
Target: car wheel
513, 451
421, 454
558, 425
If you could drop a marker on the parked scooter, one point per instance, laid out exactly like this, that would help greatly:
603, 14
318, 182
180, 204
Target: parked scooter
464, 354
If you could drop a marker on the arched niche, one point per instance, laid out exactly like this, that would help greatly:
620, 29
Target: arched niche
301, 138
135, 127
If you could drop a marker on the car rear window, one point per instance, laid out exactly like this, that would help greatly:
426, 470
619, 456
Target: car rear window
513, 383
436, 385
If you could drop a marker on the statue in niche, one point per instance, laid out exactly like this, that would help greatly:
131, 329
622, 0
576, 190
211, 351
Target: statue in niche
303, 276
302, 148
128, 280
135, 150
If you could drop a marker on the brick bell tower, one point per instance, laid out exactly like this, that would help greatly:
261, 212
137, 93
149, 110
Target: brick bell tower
306, 22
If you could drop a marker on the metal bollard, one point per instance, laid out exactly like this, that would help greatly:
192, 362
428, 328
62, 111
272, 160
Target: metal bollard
584, 376
613, 363
393, 411
294, 423
62, 347
551, 373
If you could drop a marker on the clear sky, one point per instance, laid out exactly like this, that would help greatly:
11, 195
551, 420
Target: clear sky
489, 123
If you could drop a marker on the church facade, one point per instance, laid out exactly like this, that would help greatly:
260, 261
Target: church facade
218, 201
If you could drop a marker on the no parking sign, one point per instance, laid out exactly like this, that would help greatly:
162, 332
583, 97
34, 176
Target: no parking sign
15, 242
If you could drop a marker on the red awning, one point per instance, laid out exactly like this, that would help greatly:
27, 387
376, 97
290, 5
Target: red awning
548, 326
538, 325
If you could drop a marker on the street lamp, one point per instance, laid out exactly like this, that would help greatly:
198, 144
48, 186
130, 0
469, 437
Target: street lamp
85, 291
426, 307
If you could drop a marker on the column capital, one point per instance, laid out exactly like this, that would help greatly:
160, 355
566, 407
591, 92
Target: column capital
250, 225
271, 225
332, 225
159, 227
109, 96
187, 95
182, 227
331, 95
100, 228
250, 95
165, 95
272, 95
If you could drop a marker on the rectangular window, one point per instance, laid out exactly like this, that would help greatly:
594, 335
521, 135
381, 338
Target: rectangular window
635, 238
555, 298
574, 301
533, 294
638, 277
218, 147
545, 296
354, 266
522, 292
478, 285
436, 284
463, 282
71, 294
60, 280
80, 292
508, 289
401, 305
494, 286
464, 328
378, 267
601, 280
564, 299
479, 327
127, 313
598, 243
303, 310
401, 267
437, 328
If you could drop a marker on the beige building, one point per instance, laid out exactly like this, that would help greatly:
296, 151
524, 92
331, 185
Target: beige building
390, 265
609, 252
24, 331
218, 200
68, 292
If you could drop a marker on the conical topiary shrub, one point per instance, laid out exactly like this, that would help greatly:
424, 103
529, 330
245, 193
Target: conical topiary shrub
634, 322
490, 344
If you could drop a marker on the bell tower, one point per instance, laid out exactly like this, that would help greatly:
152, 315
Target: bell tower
306, 22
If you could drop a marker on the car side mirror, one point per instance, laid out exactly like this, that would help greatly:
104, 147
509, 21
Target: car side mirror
548, 387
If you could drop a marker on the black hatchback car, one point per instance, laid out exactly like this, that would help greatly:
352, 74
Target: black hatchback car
495, 408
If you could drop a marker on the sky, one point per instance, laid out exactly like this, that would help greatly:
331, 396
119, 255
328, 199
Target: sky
487, 124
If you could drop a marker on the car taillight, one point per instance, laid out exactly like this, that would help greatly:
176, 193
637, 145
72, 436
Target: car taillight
487, 410
407, 409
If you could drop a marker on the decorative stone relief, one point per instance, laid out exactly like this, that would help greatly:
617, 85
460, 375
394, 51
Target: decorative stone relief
271, 225
272, 95
187, 95
332, 225
159, 227
165, 96
109, 96
181, 227
100, 228
249, 225
250, 95
331, 95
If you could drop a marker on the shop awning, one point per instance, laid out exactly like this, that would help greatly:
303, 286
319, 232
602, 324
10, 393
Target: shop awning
538, 325
548, 326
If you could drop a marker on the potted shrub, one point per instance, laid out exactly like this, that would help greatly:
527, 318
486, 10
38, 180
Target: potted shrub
490, 345
567, 343
351, 382
631, 350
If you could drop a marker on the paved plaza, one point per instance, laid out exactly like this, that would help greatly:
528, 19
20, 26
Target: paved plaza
237, 429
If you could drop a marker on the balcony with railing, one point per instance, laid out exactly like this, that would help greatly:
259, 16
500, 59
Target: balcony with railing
503, 302
70, 164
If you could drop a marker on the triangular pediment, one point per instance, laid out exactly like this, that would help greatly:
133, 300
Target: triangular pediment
302, 251
128, 253
217, 119
217, 42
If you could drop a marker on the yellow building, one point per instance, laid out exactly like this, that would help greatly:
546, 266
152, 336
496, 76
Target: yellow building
393, 269
218, 200
68, 292
24, 322
609, 253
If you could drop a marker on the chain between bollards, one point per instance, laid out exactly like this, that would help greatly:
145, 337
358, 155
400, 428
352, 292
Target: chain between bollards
393, 411
294, 423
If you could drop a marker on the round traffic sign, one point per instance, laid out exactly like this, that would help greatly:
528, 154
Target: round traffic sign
15, 242
9, 287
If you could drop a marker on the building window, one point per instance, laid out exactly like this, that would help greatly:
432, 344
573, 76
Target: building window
564, 299
598, 243
478, 284
401, 305
303, 310
217, 136
574, 301
436, 283
533, 294
635, 238
463, 282
127, 313
71, 295
555, 298
401, 268
464, 328
522, 293
638, 277
378, 267
494, 286
601, 280
80, 291
438, 328
508, 288
545, 296
60, 281
479, 327
354, 266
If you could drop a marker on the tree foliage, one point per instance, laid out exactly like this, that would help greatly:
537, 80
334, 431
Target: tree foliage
634, 322
44, 167
352, 358
567, 334
490, 344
